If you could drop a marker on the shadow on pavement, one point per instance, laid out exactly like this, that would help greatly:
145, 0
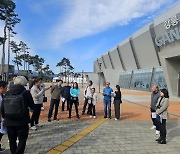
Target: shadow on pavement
128, 115
173, 128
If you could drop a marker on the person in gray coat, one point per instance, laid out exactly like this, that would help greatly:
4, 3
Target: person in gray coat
162, 114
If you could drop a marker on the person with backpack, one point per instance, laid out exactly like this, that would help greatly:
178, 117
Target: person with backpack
37, 94
15, 111
87, 94
3, 129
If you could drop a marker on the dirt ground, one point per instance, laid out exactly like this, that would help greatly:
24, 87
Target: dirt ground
128, 111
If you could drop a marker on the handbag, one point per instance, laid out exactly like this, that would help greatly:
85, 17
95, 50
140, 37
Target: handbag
44, 99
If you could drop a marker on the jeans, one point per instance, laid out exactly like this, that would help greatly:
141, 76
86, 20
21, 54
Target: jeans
36, 114
107, 104
20, 132
54, 102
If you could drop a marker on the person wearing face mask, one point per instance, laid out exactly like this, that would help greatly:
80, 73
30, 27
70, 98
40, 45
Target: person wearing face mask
162, 114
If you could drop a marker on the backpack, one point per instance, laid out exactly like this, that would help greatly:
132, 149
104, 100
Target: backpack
14, 107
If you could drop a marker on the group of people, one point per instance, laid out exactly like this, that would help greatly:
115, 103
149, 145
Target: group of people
91, 99
21, 96
159, 112
18, 97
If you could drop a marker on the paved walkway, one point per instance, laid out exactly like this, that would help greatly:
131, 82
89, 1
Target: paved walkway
132, 134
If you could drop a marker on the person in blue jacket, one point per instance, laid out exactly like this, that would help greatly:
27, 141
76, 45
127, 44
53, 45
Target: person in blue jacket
107, 93
74, 92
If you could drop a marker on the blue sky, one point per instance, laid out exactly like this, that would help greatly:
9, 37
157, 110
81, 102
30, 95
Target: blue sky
81, 30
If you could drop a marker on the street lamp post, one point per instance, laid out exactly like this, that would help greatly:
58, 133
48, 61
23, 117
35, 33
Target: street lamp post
99, 76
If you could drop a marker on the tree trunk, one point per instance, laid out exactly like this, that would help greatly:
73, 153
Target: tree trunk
28, 71
17, 63
3, 49
8, 53
24, 62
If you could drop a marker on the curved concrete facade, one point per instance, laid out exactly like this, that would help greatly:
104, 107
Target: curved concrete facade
155, 45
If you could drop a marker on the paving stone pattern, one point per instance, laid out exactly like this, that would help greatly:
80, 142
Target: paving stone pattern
49, 136
115, 137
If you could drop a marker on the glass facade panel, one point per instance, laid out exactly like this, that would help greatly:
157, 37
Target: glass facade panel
159, 78
141, 79
125, 79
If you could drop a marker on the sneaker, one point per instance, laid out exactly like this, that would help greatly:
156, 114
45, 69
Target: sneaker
56, 119
157, 132
115, 119
2, 149
90, 116
49, 120
153, 127
33, 128
42, 108
94, 117
39, 125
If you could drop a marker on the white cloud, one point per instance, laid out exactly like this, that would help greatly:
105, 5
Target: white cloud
88, 17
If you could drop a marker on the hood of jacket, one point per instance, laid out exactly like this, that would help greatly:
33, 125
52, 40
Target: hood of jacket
16, 90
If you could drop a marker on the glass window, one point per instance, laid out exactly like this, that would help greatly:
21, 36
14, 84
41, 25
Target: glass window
141, 79
159, 78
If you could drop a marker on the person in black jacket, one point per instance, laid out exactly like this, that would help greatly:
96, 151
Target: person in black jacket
117, 102
18, 128
65, 93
